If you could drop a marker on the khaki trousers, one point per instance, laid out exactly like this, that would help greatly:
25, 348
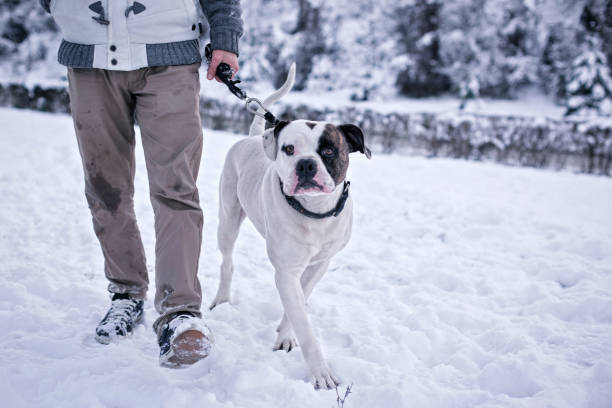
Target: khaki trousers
165, 102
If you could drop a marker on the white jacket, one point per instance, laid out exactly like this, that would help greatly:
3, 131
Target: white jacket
126, 35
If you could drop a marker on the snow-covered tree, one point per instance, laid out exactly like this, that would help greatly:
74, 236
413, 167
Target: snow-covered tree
372, 50
27, 34
589, 83
418, 31
558, 53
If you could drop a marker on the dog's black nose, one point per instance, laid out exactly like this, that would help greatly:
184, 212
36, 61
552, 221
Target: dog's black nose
306, 169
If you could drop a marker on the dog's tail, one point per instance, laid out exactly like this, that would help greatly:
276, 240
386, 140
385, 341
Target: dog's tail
258, 125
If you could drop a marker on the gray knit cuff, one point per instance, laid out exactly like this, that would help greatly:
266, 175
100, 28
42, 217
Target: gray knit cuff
75, 55
225, 40
176, 53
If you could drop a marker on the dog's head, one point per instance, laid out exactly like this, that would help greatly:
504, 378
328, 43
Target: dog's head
312, 157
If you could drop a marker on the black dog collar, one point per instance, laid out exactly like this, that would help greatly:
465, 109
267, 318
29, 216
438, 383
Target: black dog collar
295, 204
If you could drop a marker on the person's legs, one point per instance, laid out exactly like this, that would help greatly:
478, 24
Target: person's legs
167, 110
102, 110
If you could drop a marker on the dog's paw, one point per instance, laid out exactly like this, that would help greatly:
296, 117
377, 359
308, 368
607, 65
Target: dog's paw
285, 342
218, 300
324, 379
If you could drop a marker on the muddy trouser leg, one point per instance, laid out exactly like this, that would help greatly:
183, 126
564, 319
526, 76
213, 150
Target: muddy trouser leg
167, 110
102, 110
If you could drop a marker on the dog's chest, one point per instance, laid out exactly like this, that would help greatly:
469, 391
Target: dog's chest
324, 236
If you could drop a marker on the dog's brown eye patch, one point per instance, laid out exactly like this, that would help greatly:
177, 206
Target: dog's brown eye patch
328, 151
336, 163
288, 149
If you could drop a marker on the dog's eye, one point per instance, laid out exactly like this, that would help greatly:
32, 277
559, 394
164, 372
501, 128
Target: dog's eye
288, 149
328, 151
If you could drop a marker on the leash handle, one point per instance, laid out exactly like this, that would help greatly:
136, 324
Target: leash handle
224, 72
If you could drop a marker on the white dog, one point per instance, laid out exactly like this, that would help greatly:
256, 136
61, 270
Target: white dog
290, 182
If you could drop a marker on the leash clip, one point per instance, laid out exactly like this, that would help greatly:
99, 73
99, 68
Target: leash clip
255, 110
268, 116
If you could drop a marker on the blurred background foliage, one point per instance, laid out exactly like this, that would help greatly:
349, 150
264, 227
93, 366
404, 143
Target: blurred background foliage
413, 48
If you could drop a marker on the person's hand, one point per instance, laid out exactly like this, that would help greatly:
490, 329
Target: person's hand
219, 56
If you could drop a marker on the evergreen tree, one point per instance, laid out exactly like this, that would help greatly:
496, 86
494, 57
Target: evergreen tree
589, 83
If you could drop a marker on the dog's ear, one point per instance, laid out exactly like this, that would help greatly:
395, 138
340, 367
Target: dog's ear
354, 137
270, 140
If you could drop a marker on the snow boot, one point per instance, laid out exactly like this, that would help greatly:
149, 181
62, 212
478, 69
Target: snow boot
120, 319
183, 340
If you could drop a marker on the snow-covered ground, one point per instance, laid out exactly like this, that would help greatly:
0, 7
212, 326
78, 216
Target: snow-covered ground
465, 285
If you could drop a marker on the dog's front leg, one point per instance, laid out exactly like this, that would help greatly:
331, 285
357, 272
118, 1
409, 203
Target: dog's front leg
292, 297
285, 339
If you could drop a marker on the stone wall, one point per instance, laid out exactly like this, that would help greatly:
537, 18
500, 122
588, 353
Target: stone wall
584, 146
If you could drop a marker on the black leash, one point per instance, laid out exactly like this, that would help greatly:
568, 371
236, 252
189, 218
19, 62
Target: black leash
224, 73
297, 206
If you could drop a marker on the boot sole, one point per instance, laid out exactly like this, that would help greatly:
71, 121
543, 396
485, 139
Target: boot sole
187, 348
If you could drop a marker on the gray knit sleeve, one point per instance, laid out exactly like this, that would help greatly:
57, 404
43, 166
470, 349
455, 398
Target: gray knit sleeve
225, 23
45, 4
